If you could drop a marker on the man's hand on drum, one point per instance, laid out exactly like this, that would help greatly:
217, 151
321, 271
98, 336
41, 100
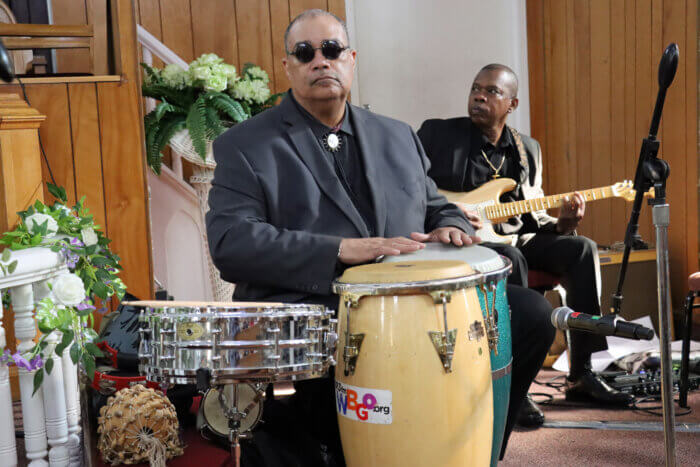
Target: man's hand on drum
362, 250
446, 235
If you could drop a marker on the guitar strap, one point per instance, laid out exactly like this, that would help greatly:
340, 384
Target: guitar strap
524, 166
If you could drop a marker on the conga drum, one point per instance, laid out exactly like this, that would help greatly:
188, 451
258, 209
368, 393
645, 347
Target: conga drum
495, 269
413, 379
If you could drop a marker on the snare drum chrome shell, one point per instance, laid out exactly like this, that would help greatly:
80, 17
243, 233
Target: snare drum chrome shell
237, 344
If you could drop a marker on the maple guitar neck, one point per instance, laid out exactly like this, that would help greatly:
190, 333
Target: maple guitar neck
507, 210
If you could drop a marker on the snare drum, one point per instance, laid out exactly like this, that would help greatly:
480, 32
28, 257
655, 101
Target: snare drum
413, 382
236, 342
495, 270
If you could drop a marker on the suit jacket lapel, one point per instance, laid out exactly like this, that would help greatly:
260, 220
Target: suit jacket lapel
461, 156
360, 121
318, 164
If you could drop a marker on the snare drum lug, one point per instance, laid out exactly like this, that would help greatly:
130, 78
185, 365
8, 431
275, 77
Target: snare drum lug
351, 352
444, 345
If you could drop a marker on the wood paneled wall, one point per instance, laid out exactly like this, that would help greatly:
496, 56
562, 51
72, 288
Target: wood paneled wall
239, 31
93, 139
593, 84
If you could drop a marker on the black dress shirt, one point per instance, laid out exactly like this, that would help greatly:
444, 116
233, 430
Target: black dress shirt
346, 162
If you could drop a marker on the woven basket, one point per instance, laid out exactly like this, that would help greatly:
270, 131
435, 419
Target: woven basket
182, 144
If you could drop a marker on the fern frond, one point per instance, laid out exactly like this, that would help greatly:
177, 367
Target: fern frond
225, 104
213, 123
169, 126
152, 73
183, 98
163, 108
197, 126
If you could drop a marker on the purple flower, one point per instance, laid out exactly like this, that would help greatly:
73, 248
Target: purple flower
76, 242
36, 363
6, 356
84, 306
22, 362
103, 310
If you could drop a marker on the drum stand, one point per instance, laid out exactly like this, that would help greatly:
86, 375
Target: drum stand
235, 416
652, 171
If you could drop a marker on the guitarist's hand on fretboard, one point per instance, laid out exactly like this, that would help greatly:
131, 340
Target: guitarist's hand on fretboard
571, 213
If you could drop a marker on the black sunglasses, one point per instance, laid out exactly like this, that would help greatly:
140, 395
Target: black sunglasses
305, 52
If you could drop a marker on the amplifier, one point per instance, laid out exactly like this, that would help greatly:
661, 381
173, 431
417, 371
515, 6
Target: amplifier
648, 384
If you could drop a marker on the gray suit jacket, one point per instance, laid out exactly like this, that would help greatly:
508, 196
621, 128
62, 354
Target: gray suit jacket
278, 211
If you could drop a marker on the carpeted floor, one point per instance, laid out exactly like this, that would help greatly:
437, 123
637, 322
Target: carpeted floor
584, 447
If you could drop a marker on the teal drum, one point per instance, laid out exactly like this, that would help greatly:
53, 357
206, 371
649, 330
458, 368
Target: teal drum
501, 357
494, 305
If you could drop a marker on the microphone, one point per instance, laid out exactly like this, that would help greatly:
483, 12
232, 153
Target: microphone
565, 318
7, 69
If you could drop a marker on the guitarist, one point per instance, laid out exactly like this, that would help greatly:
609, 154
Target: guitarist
469, 151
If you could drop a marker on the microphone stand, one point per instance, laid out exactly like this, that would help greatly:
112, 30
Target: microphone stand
653, 172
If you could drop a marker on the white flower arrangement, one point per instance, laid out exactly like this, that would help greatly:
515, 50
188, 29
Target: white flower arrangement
205, 99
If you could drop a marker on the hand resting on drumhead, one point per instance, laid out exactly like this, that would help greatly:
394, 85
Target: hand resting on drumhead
451, 235
362, 250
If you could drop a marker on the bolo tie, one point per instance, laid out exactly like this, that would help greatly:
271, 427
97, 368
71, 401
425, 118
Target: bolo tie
332, 140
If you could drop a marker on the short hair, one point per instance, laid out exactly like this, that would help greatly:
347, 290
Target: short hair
313, 13
508, 70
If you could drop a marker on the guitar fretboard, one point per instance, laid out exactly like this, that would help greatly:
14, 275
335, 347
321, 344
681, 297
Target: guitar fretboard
506, 210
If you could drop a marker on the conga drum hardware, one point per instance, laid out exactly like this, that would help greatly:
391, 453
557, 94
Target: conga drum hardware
353, 342
444, 342
491, 315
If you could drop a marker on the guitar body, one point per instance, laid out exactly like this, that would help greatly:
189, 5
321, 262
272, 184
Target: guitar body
487, 194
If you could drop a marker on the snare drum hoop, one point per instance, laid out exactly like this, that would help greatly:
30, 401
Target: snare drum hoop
279, 311
418, 287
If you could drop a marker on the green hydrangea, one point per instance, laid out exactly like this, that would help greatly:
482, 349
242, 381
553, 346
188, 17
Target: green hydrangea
207, 60
257, 73
174, 76
254, 91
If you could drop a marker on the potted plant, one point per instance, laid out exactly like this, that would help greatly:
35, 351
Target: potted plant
200, 102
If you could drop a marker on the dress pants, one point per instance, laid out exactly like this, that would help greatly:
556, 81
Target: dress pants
575, 259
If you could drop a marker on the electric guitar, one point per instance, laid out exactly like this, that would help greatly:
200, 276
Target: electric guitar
484, 201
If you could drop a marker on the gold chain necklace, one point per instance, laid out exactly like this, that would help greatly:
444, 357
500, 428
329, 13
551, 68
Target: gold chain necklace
495, 170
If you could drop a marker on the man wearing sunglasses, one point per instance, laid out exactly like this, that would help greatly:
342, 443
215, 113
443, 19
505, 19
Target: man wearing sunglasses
303, 191
469, 151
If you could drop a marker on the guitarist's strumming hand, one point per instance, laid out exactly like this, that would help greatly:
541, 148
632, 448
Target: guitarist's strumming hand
362, 250
472, 216
446, 235
571, 213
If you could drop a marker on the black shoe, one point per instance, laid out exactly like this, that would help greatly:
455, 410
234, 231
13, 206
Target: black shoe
530, 414
591, 388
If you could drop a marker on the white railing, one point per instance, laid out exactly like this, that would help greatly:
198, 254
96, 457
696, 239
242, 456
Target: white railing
181, 146
51, 416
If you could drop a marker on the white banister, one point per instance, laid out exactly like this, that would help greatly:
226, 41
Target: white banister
44, 412
158, 49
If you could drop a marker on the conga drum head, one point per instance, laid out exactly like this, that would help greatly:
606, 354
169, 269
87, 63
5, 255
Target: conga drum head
407, 271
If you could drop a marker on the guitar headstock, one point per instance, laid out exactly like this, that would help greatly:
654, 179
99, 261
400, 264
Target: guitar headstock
624, 190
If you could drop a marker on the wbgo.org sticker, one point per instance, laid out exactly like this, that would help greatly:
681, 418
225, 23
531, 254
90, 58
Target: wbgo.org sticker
363, 404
